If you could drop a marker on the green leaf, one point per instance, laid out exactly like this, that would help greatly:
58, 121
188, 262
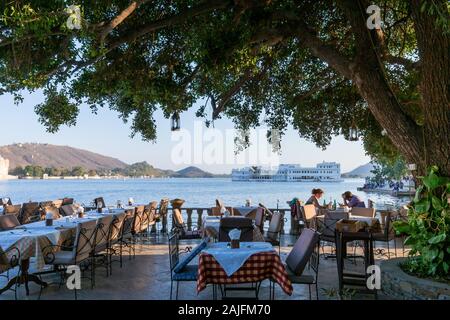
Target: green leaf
418, 194
431, 181
437, 204
422, 206
436, 239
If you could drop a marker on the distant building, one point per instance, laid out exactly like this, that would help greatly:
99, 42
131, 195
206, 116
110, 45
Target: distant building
4, 167
323, 172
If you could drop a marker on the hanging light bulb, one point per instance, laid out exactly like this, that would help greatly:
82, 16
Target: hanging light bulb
353, 133
175, 121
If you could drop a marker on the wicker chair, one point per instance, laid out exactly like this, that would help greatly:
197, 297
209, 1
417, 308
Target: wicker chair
13, 210
101, 244
30, 213
114, 237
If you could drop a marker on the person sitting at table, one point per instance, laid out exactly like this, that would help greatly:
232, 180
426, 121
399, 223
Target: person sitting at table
351, 200
316, 194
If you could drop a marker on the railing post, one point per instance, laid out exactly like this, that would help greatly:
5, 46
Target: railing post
282, 221
189, 219
164, 221
199, 218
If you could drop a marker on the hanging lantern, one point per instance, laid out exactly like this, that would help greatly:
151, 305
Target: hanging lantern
175, 122
353, 133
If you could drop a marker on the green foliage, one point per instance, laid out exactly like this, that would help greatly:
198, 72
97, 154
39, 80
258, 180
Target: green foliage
201, 59
428, 228
389, 171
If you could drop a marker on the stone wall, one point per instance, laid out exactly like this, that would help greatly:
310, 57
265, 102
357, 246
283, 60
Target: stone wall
4, 167
399, 285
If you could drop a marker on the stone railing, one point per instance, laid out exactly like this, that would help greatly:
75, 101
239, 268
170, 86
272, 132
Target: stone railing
194, 218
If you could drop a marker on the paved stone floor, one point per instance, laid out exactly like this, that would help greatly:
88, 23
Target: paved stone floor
147, 277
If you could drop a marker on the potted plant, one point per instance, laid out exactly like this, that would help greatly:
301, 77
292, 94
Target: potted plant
428, 229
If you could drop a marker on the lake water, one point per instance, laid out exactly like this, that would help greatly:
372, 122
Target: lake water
196, 192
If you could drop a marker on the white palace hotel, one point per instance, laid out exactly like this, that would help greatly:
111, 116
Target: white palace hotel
323, 172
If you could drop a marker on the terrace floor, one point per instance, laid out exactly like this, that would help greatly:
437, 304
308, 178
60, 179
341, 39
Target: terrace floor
147, 277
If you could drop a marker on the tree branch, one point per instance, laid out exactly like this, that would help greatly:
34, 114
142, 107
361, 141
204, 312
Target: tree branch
120, 18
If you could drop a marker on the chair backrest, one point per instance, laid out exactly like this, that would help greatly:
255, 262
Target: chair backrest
102, 233
177, 218
219, 204
57, 203
53, 210
67, 210
229, 223
67, 201
275, 225
30, 210
302, 251
174, 252
163, 207
153, 206
215, 211
138, 218
259, 218
84, 240
12, 209
5, 201
8, 222
363, 212
116, 226
327, 226
309, 211
128, 223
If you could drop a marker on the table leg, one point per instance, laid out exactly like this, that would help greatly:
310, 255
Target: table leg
24, 278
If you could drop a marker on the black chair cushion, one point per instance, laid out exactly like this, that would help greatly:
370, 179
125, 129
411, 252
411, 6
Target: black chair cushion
302, 251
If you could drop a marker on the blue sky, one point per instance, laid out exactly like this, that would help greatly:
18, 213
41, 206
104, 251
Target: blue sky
106, 134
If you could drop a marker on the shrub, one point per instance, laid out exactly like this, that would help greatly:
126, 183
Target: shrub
428, 228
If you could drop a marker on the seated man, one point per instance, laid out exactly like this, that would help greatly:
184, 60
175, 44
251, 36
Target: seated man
352, 200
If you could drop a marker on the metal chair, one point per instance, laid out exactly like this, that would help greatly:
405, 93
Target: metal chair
305, 252
181, 228
9, 260
101, 244
327, 226
229, 223
189, 273
114, 237
387, 235
309, 214
80, 253
273, 233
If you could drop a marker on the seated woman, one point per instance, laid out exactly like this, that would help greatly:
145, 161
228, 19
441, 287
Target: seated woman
351, 200
314, 199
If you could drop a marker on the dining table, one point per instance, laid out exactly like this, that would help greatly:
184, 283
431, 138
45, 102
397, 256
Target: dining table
252, 262
31, 239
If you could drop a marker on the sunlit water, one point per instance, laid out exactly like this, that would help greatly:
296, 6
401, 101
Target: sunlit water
196, 192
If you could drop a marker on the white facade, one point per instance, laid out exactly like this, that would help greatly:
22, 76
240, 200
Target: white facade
324, 172
4, 167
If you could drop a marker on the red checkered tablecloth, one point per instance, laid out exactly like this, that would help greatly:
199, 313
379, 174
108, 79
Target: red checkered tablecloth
260, 266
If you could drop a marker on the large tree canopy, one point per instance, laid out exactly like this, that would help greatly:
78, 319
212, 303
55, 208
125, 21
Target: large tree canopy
313, 64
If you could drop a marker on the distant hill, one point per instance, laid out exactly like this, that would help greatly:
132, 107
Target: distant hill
192, 172
359, 172
48, 155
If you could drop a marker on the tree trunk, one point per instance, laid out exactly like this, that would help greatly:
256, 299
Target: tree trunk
434, 87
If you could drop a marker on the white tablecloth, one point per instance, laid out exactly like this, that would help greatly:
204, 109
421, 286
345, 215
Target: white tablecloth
232, 259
